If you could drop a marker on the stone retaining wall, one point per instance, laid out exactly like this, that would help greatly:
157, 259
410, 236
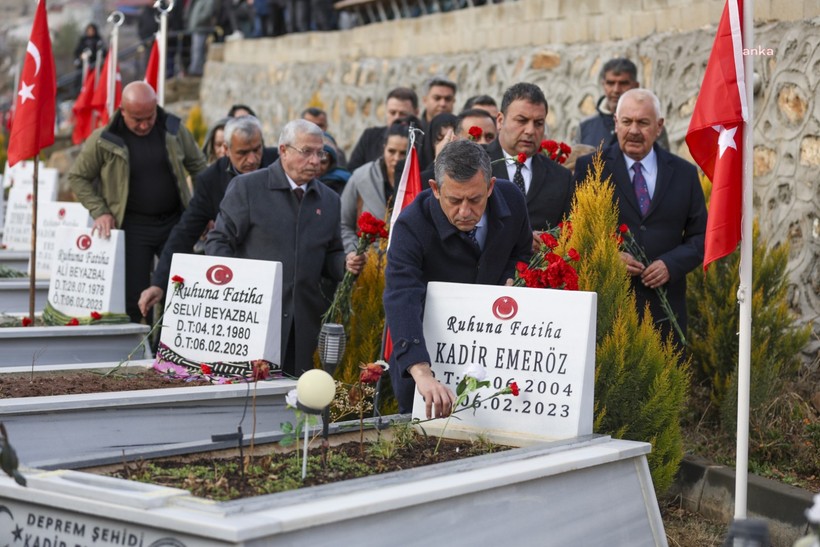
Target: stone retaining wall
489, 48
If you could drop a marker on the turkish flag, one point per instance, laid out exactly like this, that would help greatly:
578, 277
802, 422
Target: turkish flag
83, 113
715, 136
100, 100
152, 69
409, 187
33, 125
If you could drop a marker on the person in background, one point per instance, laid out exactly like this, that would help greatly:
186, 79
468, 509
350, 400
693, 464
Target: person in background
482, 102
91, 41
132, 175
439, 98
439, 133
466, 228
371, 186
331, 173
480, 118
213, 148
238, 110
617, 76
401, 102
319, 117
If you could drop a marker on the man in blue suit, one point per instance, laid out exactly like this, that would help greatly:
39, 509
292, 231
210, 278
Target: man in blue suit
466, 228
660, 199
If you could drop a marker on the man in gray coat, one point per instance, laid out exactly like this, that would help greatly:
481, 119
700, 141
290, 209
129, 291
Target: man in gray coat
284, 214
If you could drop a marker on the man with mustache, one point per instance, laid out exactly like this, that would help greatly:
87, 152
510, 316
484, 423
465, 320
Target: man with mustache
283, 213
659, 199
548, 186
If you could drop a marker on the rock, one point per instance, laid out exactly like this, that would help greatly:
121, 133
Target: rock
545, 60
810, 151
791, 103
764, 160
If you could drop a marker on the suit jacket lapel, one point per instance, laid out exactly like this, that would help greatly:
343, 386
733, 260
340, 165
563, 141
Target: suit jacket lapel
497, 157
539, 181
664, 179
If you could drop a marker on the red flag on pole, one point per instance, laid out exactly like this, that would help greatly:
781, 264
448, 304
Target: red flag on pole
33, 125
409, 187
83, 113
152, 69
715, 136
100, 99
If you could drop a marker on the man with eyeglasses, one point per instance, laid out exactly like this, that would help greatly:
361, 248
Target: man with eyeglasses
284, 213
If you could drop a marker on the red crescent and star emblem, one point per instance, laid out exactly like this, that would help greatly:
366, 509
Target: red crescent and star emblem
219, 274
505, 308
61, 213
84, 242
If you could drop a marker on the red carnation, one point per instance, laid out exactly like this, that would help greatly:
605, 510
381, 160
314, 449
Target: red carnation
73, 322
566, 225
96, 316
178, 279
573, 254
370, 373
565, 148
562, 160
549, 240
522, 158
623, 228
550, 146
475, 133
205, 368
27, 321
514, 389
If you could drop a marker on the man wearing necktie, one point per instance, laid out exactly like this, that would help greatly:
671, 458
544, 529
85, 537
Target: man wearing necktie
466, 228
660, 199
548, 186
284, 213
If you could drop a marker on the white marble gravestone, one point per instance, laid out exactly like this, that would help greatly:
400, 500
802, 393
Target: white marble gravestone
17, 225
541, 339
53, 217
228, 310
88, 273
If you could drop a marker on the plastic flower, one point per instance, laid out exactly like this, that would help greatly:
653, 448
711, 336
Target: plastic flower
474, 133
205, 368
474, 370
27, 321
96, 316
73, 322
171, 369
178, 282
291, 399
261, 370
372, 372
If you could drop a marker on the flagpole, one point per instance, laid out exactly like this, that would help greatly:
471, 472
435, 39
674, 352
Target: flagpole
33, 255
162, 47
744, 293
116, 19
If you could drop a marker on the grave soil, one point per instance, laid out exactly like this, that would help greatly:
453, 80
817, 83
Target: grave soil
80, 382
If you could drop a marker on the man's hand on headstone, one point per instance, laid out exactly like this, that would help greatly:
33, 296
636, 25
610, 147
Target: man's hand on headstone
655, 275
354, 263
438, 398
149, 298
103, 225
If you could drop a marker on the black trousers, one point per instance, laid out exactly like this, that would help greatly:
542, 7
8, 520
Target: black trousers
145, 236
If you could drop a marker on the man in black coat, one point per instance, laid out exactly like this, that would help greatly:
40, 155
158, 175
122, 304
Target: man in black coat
659, 199
547, 185
401, 102
245, 153
465, 229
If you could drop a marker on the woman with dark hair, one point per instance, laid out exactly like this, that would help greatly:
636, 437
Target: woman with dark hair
436, 132
372, 185
214, 140
91, 41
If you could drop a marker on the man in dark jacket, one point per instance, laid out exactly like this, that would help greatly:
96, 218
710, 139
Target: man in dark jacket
660, 200
467, 228
547, 185
284, 213
401, 102
141, 159
245, 154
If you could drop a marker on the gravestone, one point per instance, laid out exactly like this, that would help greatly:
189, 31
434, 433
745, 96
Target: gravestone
88, 273
17, 225
53, 217
227, 311
542, 340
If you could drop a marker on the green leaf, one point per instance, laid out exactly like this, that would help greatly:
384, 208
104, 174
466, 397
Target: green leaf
461, 386
286, 427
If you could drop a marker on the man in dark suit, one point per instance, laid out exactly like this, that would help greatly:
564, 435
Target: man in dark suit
660, 199
401, 102
244, 154
547, 185
283, 213
465, 229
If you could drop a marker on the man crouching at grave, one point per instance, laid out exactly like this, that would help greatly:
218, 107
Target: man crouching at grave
283, 213
141, 159
467, 228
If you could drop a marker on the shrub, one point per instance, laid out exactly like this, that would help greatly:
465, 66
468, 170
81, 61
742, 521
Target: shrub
196, 124
640, 387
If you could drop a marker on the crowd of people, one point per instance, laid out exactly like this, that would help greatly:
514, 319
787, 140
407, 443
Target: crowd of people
491, 194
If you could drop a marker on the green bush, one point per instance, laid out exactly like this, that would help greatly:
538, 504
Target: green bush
640, 387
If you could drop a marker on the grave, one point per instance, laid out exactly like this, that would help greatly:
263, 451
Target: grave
52, 218
17, 225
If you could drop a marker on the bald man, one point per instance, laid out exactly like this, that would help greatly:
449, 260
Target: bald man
144, 197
